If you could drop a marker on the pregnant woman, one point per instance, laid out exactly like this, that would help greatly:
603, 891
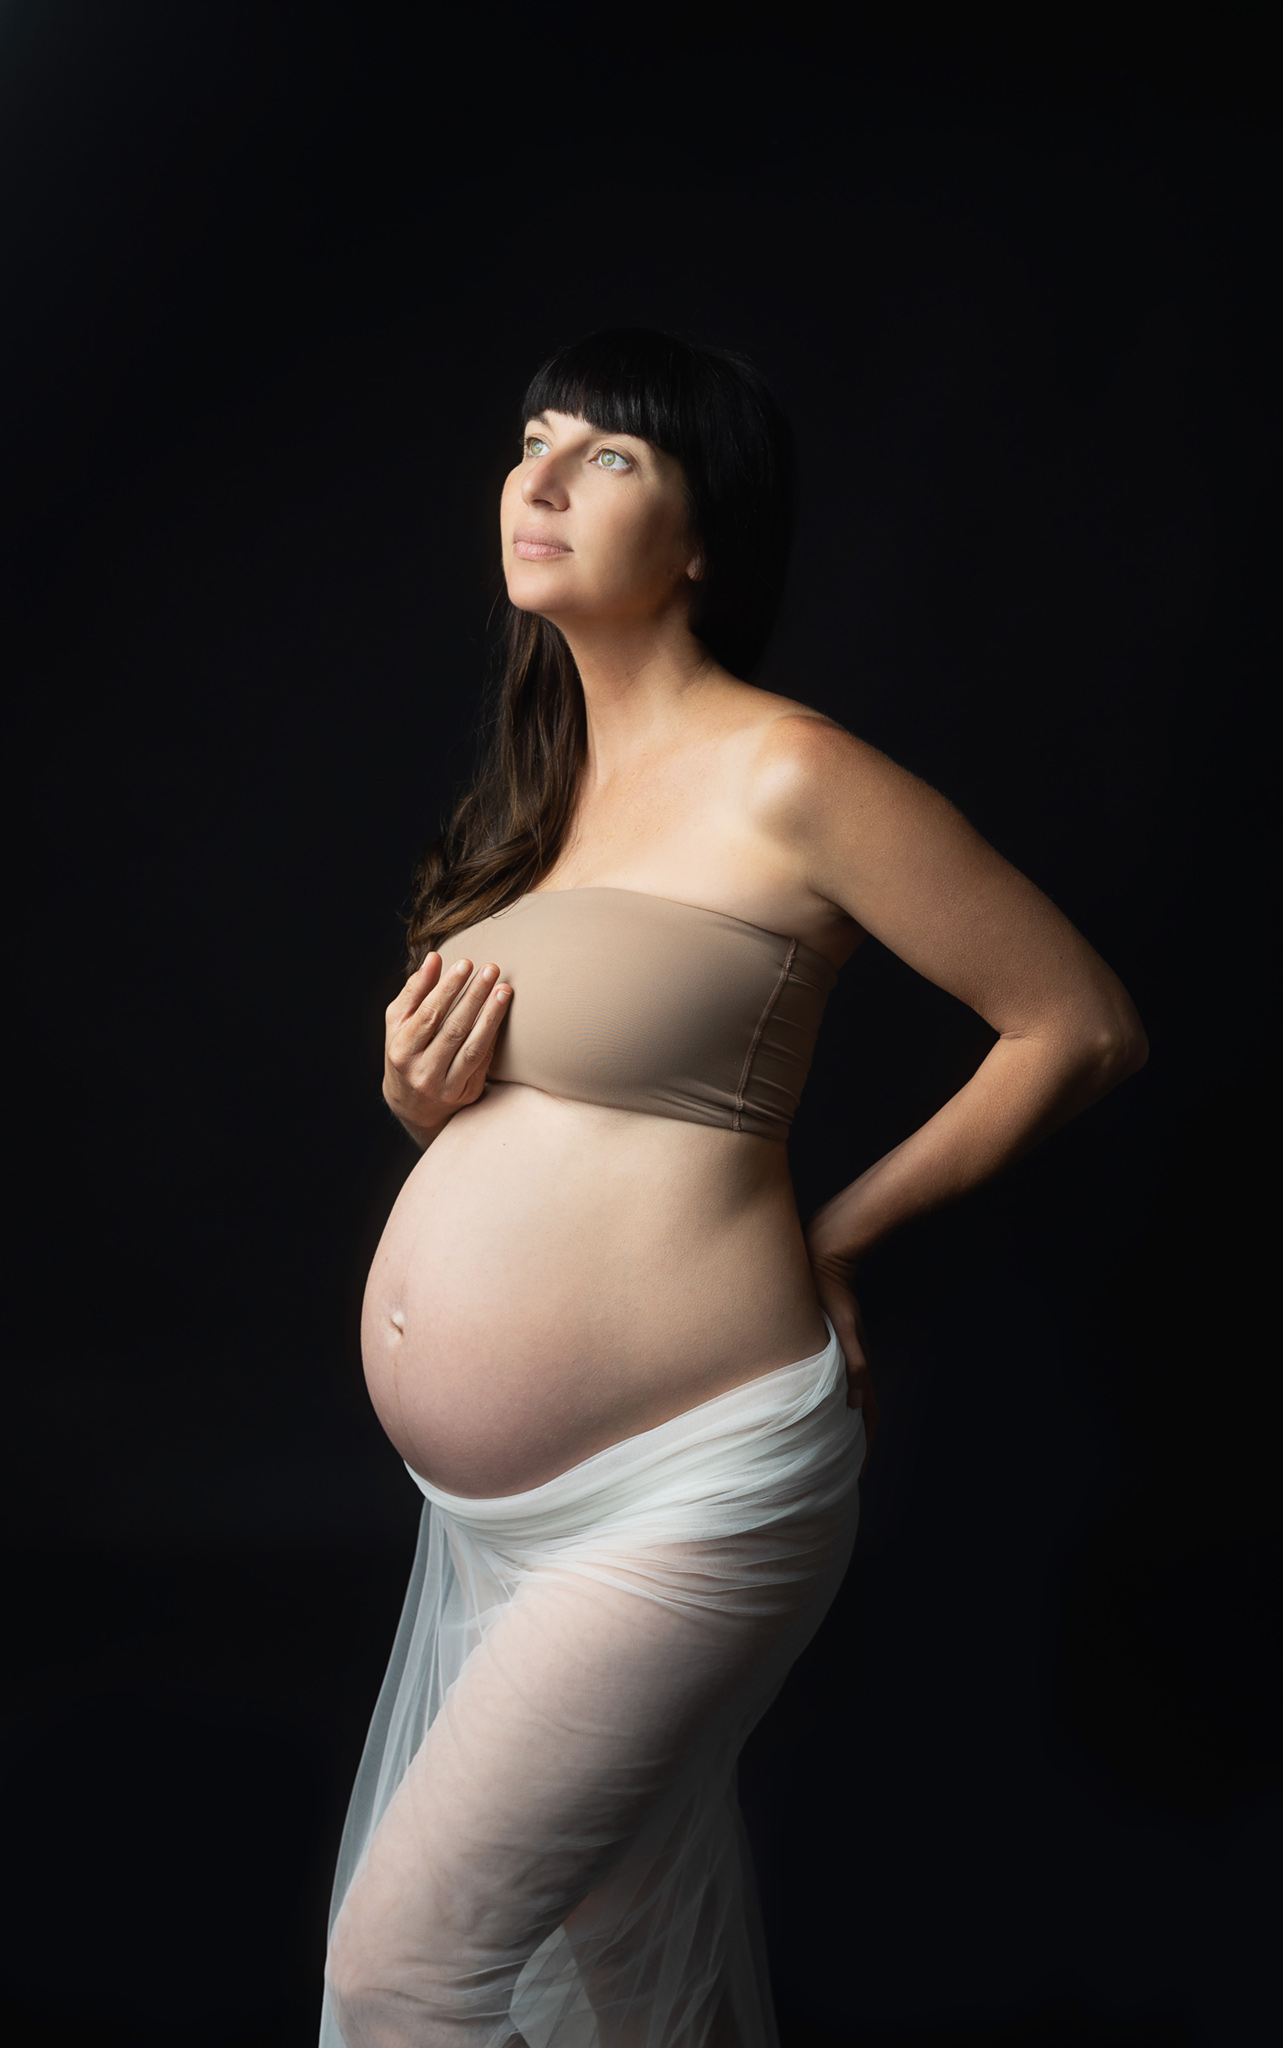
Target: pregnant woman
631, 1388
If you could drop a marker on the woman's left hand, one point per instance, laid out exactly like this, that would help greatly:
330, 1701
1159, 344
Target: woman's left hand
833, 1285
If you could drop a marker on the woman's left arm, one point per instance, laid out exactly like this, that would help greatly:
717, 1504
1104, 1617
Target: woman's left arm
901, 861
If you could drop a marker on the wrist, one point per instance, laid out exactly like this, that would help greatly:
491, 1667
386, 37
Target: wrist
833, 1248
422, 1130
422, 1134
823, 1246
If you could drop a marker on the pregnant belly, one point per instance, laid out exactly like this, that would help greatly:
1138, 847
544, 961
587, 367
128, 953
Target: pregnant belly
555, 1277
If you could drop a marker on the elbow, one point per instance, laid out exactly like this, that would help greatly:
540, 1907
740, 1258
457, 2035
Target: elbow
1118, 1050
1137, 1051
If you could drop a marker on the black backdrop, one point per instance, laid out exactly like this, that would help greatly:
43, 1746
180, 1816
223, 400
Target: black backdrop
275, 276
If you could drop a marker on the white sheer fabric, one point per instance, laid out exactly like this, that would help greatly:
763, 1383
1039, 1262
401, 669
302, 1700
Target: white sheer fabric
544, 1841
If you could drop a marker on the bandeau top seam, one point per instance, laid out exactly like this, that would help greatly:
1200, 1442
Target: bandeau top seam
649, 896
783, 975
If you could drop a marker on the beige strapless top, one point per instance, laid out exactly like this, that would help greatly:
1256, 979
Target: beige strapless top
639, 1002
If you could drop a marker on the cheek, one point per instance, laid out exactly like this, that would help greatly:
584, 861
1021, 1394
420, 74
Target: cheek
632, 541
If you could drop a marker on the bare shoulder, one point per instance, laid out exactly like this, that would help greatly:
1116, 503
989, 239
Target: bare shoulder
808, 771
871, 839
867, 835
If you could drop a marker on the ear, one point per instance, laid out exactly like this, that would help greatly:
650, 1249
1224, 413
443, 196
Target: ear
695, 568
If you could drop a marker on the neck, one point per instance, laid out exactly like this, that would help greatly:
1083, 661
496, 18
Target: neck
639, 683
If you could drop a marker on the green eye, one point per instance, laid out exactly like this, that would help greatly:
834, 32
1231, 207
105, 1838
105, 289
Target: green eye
610, 458
535, 440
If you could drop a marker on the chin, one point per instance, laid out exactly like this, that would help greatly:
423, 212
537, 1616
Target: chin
538, 593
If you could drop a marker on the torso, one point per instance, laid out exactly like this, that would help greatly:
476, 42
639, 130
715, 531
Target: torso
557, 1275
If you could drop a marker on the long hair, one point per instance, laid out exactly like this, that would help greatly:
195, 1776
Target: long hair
712, 410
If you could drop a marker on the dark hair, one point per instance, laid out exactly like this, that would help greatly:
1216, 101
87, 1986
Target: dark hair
712, 410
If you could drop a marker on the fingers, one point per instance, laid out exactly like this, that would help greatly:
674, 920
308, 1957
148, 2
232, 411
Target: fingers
451, 1011
860, 1392
443, 994
418, 984
445, 1043
859, 1388
865, 1399
487, 1009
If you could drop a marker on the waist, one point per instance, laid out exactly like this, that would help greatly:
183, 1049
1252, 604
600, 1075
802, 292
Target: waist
566, 1203
591, 1148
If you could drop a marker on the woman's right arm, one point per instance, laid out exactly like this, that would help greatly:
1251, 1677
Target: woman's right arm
438, 1044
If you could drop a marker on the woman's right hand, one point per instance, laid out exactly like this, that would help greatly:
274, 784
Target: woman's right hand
439, 1040
833, 1274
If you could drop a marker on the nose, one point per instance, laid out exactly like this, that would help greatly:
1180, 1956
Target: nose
542, 485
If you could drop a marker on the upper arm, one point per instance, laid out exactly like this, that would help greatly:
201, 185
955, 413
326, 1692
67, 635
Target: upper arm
897, 857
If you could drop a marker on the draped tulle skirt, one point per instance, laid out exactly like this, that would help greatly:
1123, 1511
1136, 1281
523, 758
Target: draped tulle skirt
544, 1842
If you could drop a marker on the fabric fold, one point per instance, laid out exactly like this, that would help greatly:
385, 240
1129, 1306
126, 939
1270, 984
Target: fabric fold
544, 1842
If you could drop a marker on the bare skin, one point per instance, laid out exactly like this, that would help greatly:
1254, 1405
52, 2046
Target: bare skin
556, 1276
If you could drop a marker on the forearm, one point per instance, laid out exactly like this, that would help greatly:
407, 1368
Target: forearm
1022, 1091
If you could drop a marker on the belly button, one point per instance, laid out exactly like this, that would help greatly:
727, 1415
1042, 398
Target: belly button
398, 1320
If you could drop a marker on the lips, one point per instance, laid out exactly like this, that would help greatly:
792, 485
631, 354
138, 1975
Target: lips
533, 546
